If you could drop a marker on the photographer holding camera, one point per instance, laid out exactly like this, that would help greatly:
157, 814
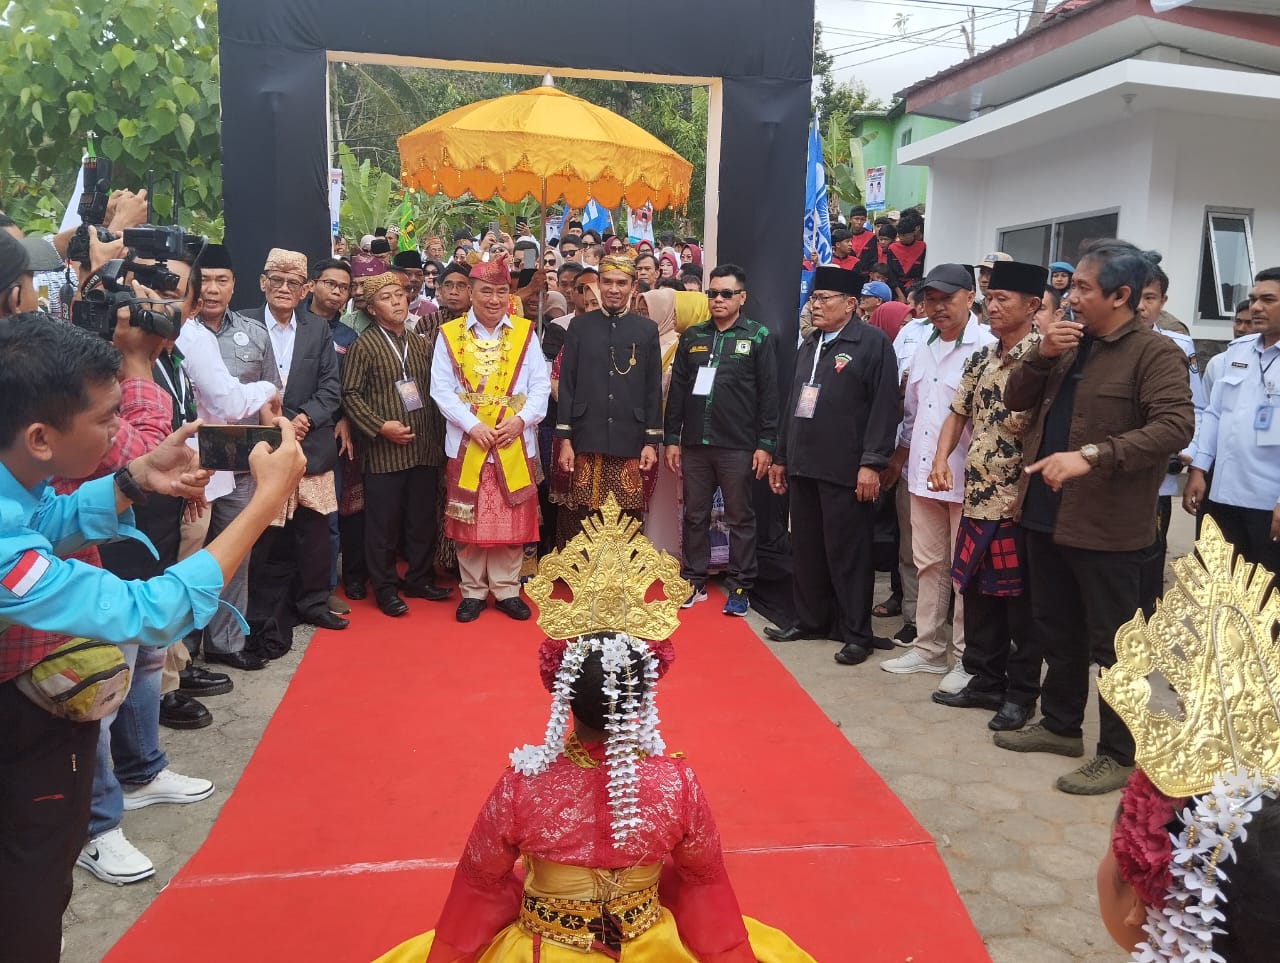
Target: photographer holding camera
60, 418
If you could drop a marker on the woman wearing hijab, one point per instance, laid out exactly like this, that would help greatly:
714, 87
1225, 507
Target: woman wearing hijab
668, 264
662, 524
890, 317
691, 254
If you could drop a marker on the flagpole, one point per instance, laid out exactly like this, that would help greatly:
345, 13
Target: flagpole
542, 250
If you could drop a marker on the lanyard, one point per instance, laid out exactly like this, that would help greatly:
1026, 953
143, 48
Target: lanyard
1262, 374
817, 356
402, 356
714, 360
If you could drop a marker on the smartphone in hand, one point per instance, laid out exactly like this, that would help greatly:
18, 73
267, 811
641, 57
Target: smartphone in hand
227, 447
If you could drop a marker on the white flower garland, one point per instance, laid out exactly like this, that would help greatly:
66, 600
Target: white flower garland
1182, 930
632, 723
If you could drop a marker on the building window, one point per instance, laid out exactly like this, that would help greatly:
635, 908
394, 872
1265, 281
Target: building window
906, 138
1226, 262
1057, 240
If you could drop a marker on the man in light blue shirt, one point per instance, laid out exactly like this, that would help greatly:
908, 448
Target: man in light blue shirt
1239, 436
59, 419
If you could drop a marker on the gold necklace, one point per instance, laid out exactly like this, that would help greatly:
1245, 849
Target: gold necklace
577, 753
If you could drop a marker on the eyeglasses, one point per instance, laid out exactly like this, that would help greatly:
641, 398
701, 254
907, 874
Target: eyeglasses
569, 252
822, 298
431, 274
615, 248
334, 286
726, 293
278, 281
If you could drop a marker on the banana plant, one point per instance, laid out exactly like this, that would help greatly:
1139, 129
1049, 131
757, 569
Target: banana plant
366, 196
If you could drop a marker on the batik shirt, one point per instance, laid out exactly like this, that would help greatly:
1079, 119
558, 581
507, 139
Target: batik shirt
993, 466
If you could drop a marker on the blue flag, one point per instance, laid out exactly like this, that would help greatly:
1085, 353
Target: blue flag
596, 218
817, 216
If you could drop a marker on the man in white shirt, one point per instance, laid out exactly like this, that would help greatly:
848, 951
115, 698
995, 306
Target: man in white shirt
934, 376
491, 384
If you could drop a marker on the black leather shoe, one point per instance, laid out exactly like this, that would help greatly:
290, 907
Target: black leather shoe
237, 660
469, 610
203, 682
1011, 716
880, 642
966, 698
179, 711
852, 654
355, 591
793, 634
324, 619
513, 607
432, 593
393, 605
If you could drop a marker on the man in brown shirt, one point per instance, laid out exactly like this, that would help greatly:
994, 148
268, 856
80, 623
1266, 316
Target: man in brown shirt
1112, 405
400, 444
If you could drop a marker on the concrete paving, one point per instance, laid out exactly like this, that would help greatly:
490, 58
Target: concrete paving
1021, 855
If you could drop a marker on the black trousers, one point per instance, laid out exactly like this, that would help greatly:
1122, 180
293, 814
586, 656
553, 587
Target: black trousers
705, 468
1154, 557
1249, 530
395, 504
1079, 598
46, 782
1001, 648
831, 536
351, 530
292, 565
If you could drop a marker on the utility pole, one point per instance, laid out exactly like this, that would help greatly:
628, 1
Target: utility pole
1037, 13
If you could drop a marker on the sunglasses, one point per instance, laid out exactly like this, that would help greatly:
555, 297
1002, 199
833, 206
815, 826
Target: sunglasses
726, 293
569, 251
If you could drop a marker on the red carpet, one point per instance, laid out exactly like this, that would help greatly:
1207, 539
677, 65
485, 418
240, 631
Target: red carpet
340, 839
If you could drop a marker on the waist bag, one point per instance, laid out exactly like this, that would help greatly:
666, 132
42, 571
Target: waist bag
80, 680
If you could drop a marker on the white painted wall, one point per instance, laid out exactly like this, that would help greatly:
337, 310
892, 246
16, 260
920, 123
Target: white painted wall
1161, 169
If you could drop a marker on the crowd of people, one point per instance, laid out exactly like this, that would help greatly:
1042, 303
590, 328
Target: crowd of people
1004, 438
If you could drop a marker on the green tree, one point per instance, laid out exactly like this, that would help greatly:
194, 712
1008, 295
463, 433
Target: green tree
141, 74
836, 97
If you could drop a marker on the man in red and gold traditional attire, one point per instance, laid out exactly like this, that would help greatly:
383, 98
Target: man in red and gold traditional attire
490, 381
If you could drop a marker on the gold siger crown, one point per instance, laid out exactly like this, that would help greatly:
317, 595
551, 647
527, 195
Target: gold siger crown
609, 568
1211, 638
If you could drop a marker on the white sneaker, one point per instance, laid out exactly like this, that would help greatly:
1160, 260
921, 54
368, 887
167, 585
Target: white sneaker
913, 661
113, 859
168, 787
955, 680
699, 594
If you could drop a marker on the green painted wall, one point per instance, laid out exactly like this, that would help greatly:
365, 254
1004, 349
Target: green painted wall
904, 186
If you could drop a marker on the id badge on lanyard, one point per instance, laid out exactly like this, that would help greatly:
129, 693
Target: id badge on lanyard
807, 402
406, 387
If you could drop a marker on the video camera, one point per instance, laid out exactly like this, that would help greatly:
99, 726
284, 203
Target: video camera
107, 290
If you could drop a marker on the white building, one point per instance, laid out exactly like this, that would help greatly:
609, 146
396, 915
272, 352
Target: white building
1113, 119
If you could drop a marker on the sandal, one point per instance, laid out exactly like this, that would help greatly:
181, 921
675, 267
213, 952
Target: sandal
888, 608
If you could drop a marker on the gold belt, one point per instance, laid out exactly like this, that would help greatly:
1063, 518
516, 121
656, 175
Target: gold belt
514, 402
581, 923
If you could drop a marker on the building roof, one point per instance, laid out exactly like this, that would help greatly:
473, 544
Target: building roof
1079, 36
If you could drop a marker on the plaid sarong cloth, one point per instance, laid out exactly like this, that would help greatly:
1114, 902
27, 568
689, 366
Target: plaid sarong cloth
988, 557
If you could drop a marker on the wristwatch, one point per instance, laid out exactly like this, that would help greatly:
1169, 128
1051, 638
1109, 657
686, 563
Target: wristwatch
1091, 454
130, 487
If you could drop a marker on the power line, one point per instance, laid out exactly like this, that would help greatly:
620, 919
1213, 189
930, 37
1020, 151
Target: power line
939, 4
918, 37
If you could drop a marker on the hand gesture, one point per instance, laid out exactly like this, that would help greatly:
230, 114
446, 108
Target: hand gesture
760, 462
301, 425
868, 484
565, 461
1057, 470
277, 473
940, 479
172, 467
508, 431
1059, 337
342, 432
272, 410
483, 436
648, 457
672, 456
125, 209
1197, 488
778, 479
396, 432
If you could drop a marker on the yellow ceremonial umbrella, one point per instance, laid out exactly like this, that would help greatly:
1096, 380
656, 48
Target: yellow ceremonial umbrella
545, 143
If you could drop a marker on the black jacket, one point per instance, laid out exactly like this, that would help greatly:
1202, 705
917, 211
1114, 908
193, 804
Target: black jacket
611, 385
855, 422
314, 387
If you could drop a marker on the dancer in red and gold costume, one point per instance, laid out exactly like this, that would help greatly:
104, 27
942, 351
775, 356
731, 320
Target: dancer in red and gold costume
620, 853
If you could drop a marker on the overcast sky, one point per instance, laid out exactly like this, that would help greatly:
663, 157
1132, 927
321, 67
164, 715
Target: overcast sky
868, 48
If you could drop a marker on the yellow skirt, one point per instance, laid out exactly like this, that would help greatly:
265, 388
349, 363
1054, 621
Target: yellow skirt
659, 944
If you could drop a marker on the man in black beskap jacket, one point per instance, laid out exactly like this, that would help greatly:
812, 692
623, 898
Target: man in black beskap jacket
839, 429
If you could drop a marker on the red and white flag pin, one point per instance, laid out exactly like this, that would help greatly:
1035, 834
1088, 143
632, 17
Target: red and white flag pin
23, 577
